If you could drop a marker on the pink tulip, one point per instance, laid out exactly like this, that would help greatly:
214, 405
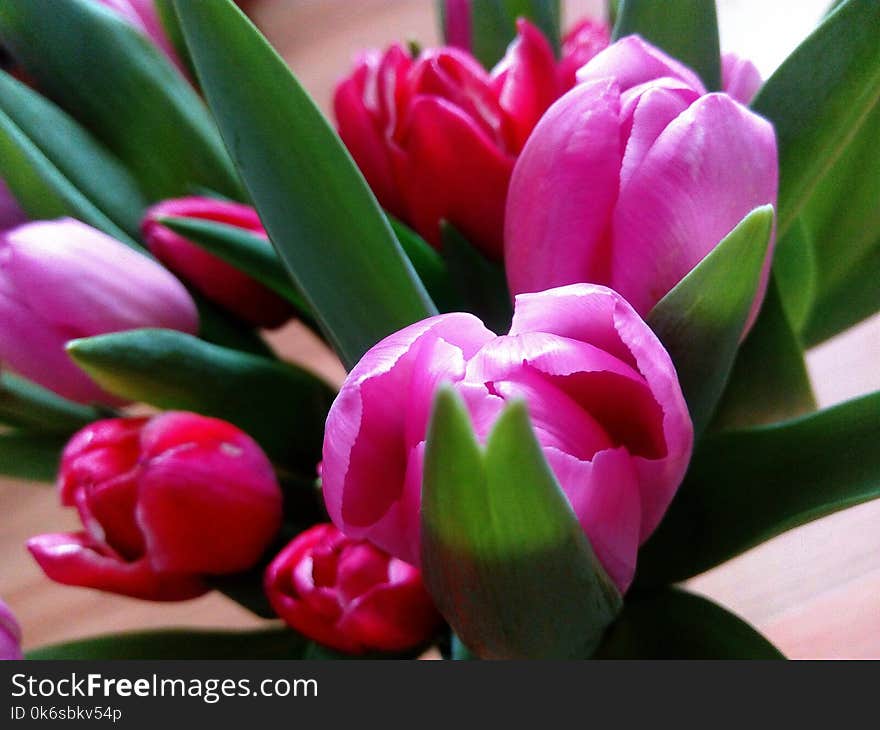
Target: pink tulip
436, 136
142, 14
602, 393
740, 78
213, 277
349, 595
163, 501
10, 634
62, 279
632, 177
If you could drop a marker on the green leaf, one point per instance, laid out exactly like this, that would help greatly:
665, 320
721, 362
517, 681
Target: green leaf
272, 643
480, 284
242, 249
40, 188
493, 24
769, 380
842, 222
819, 98
685, 29
674, 624
317, 208
24, 403
111, 78
744, 487
503, 555
220, 327
700, 321
279, 405
76, 160
28, 455
429, 265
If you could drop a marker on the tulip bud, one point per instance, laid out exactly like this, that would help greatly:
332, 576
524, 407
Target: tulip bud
10, 634
163, 502
603, 397
62, 279
218, 281
633, 177
436, 136
349, 595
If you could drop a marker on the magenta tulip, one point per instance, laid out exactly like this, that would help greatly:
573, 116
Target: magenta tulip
163, 502
62, 279
436, 136
740, 78
349, 595
601, 391
218, 281
10, 634
632, 177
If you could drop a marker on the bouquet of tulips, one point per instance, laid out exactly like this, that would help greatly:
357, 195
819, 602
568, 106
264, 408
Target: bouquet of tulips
571, 274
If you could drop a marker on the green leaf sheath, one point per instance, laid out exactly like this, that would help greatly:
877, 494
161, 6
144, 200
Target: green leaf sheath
503, 554
112, 80
700, 321
674, 624
279, 405
55, 167
685, 29
319, 212
819, 98
744, 487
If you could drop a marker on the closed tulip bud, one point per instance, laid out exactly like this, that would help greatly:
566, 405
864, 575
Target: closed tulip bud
603, 397
436, 136
349, 595
163, 501
218, 281
633, 177
10, 634
60, 280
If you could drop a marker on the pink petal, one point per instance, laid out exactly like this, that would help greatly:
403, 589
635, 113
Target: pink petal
581, 43
707, 170
458, 24
632, 61
563, 191
740, 78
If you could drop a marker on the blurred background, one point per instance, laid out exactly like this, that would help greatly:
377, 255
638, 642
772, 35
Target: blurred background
814, 592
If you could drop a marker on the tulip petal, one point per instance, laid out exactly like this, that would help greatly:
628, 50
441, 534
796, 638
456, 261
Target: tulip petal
740, 78
452, 170
563, 191
73, 559
690, 190
632, 61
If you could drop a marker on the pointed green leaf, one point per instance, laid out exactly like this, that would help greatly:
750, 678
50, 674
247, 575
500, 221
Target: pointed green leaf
242, 249
744, 487
317, 208
493, 24
273, 643
685, 29
429, 265
819, 98
503, 555
674, 624
769, 380
24, 403
280, 405
77, 158
701, 319
111, 78
480, 284
29, 455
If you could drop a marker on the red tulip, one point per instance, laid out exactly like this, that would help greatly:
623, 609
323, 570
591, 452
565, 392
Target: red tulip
163, 501
348, 594
218, 281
